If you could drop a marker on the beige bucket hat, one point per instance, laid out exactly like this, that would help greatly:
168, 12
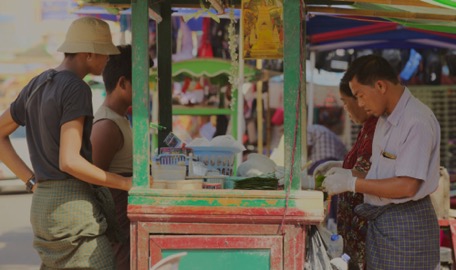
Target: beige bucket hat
89, 35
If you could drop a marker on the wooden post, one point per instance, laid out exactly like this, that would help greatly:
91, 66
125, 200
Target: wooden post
165, 87
140, 101
292, 92
259, 108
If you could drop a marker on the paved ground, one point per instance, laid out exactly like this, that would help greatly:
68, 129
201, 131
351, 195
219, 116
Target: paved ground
16, 251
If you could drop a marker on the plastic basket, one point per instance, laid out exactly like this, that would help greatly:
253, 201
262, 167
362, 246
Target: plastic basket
171, 159
169, 167
216, 158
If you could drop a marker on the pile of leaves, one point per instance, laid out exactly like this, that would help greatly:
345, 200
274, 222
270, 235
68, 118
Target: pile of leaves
263, 182
319, 181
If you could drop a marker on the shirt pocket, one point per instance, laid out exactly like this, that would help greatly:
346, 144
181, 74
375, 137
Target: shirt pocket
386, 167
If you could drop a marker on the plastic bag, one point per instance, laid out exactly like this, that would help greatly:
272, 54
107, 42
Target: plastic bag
316, 254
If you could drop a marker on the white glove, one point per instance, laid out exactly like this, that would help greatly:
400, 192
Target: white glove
323, 168
339, 180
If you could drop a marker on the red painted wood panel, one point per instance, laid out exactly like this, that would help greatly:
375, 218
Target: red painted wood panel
220, 210
133, 245
219, 215
292, 253
208, 228
452, 224
142, 247
185, 242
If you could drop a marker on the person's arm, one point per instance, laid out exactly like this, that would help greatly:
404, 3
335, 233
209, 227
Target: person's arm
8, 155
340, 180
393, 188
107, 140
71, 161
358, 173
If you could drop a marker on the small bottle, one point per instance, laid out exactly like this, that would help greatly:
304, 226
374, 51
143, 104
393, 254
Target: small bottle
190, 171
340, 263
335, 246
332, 226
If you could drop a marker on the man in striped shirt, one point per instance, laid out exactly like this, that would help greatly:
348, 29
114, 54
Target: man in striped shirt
324, 145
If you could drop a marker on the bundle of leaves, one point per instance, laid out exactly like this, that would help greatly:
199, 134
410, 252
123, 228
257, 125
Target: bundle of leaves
319, 181
264, 182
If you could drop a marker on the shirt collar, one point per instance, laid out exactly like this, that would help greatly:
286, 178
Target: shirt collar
398, 111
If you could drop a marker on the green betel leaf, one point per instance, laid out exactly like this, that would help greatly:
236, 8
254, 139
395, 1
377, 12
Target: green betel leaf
319, 181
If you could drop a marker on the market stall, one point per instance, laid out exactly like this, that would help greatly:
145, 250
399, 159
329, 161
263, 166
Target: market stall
232, 229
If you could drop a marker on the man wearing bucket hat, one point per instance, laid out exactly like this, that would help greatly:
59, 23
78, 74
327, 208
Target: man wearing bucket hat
56, 108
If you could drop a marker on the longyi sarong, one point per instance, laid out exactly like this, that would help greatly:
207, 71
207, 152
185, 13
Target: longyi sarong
69, 227
401, 236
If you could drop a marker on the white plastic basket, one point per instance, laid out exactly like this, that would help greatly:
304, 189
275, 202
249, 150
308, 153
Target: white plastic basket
218, 158
171, 159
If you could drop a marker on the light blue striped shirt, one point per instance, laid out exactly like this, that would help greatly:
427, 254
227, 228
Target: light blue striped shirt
406, 143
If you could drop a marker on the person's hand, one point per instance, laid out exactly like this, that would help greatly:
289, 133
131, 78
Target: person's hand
128, 183
324, 167
339, 180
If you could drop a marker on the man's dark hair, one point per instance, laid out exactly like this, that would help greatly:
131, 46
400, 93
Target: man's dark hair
370, 68
118, 65
344, 86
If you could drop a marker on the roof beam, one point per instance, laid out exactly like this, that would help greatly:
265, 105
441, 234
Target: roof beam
174, 3
381, 13
415, 3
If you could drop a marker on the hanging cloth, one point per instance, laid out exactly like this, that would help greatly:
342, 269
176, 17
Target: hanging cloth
205, 49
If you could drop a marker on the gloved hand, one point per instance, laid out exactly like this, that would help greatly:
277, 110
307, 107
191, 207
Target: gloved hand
339, 180
324, 167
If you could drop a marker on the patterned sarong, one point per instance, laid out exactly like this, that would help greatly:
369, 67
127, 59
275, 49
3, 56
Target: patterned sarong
69, 227
401, 236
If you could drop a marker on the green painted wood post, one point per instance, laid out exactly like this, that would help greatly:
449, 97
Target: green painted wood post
303, 90
292, 76
140, 35
164, 72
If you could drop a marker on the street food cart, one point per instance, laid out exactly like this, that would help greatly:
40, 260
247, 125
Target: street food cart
230, 229
223, 229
